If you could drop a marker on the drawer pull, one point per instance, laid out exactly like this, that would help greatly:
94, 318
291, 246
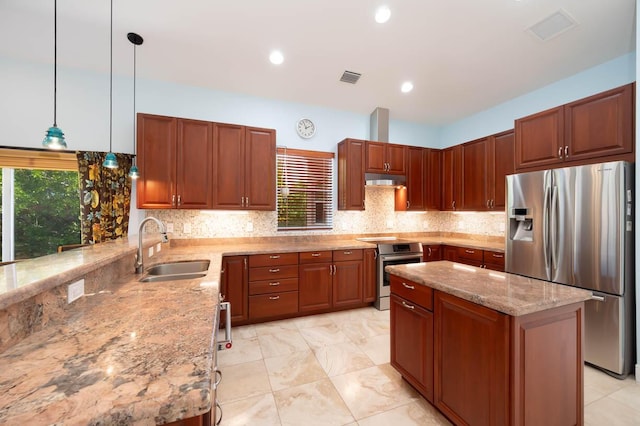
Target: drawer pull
410, 287
315, 254
470, 251
277, 256
274, 270
499, 256
408, 306
277, 283
274, 297
348, 252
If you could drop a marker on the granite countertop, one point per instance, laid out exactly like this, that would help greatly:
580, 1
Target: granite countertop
135, 353
508, 293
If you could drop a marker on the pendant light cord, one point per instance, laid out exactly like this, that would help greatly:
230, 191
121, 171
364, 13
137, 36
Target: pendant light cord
55, 58
111, 82
134, 103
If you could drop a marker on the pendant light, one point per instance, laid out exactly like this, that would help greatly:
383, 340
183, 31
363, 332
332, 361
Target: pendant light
110, 160
136, 40
54, 138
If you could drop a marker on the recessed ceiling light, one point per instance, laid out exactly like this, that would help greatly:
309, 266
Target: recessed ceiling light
276, 57
406, 87
383, 14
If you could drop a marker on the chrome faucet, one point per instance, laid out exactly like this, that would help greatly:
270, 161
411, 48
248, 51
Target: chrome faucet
163, 232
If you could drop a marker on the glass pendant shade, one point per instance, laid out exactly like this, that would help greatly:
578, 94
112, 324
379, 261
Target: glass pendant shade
110, 161
54, 139
133, 173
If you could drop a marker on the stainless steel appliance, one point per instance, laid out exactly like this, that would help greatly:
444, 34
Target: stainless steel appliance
218, 344
391, 251
574, 226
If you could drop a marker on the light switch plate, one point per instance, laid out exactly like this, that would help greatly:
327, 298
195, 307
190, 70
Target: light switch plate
75, 291
158, 247
151, 251
249, 226
170, 227
187, 228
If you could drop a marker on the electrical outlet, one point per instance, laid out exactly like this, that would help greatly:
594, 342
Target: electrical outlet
249, 226
390, 224
187, 228
158, 247
502, 226
151, 251
425, 224
461, 224
75, 291
169, 227
345, 226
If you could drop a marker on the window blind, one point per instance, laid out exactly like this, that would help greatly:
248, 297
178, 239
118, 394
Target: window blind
308, 202
38, 159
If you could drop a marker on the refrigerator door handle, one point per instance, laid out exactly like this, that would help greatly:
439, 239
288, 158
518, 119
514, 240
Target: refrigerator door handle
545, 228
554, 228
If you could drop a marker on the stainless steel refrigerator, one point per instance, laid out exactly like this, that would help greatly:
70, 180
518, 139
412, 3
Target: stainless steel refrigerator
574, 226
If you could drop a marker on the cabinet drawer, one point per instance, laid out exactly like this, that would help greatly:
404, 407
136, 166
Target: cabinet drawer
273, 272
315, 256
273, 286
271, 305
341, 255
271, 259
413, 292
494, 260
470, 254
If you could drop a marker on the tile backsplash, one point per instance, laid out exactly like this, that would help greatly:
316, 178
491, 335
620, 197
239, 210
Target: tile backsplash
379, 217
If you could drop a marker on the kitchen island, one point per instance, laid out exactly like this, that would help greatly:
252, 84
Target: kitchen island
488, 347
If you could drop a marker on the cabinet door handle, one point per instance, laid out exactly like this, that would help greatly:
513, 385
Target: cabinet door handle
275, 256
218, 374
179, 200
347, 252
275, 284
493, 203
560, 152
274, 297
453, 205
247, 201
315, 254
498, 256
566, 151
470, 251
488, 203
173, 200
335, 269
274, 270
245, 263
429, 251
410, 287
408, 306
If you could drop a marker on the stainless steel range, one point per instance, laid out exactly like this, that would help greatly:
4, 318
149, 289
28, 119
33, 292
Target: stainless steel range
391, 251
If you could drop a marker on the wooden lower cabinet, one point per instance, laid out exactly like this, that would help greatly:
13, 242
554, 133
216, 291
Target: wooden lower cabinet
234, 286
347, 283
489, 368
471, 362
315, 281
370, 275
431, 253
273, 285
412, 344
494, 260
273, 304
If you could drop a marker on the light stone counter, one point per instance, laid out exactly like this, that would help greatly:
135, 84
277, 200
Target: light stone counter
508, 293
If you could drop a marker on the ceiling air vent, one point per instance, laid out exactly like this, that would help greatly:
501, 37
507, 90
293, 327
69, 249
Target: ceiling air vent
553, 25
350, 77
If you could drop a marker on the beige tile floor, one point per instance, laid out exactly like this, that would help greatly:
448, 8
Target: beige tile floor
333, 369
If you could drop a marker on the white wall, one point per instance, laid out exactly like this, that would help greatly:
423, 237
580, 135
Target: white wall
608, 75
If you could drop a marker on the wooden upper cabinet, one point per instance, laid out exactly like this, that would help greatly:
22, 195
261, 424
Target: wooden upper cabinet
474, 175
229, 164
382, 157
412, 197
351, 165
540, 139
600, 125
451, 178
194, 185
501, 155
433, 176
260, 169
244, 165
174, 157
593, 129
156, 148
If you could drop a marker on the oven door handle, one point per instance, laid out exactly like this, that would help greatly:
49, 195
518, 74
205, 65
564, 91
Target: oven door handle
384, 257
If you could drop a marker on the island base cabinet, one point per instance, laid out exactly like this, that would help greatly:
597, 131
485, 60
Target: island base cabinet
548, 367
412, 344
471, 362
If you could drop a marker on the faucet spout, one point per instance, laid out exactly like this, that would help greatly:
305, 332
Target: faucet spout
139, 265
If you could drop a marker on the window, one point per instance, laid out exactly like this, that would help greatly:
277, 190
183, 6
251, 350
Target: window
40, 202
305, 189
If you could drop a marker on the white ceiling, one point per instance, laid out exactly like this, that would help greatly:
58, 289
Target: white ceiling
463, 56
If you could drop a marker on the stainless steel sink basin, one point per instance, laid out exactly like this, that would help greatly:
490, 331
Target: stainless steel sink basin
185, 267
172, 277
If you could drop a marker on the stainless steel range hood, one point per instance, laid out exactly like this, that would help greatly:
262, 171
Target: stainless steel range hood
379, 132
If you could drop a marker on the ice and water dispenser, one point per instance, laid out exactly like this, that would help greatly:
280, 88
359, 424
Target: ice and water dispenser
520, 224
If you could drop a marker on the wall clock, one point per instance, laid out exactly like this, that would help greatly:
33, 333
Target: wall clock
305, 128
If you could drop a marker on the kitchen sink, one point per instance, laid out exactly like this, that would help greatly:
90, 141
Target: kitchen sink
184, 267
172, 277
